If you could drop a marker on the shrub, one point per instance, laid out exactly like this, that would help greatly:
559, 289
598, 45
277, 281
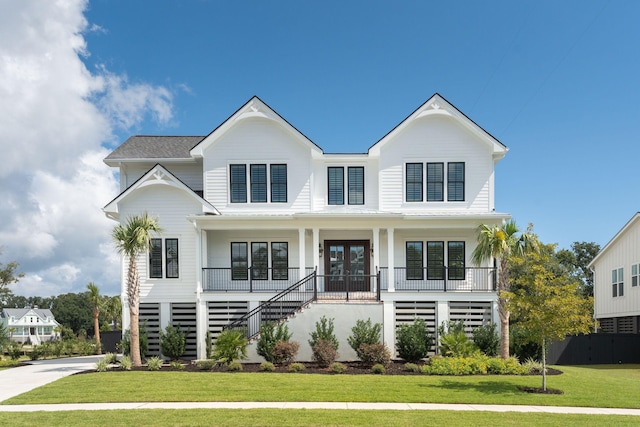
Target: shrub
207, 364
533, 366
35, 353
270, 335
297, 367
234, 366
364, 333
411, 367
154, 363
15, 351
486, 338
477, 365
372, 354
413, 340
267, 367
378, 369
125, 343
285, 351
324, 352
58, 348
324, 331
102, 365
338, 368
110, 358
521, 346
454, 341
176, 365
209, 344
126, 363
172, 342
231, 345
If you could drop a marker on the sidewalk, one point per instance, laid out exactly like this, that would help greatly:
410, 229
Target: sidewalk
38, 373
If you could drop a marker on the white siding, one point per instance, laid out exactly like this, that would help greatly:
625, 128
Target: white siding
320, 182
623, 252
189, 173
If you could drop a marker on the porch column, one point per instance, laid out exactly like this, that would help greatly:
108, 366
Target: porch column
376, 249
201, 328
442, 315
302, 252
391, 286
316, 252
165, 315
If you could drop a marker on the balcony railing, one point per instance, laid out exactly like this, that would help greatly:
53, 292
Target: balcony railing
252, 279
468, 279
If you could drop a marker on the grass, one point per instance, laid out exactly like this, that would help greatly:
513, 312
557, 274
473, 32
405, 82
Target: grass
303, 417
615, 386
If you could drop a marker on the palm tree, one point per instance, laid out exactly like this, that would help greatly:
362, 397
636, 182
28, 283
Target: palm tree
97, 301
500, 242
131, 240
114, 311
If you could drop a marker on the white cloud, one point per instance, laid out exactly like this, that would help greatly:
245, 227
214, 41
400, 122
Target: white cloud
55, 115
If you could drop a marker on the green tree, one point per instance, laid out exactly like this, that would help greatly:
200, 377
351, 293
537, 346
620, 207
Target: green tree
73, 311
4, 337
501, 242
132, 239
113, 311
578, 259
8, 275
97, 304
549, 307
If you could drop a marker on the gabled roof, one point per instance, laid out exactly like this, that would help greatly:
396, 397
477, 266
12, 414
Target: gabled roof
255, 107
635, 218
157, 175
150, 148
438, 105
19, 313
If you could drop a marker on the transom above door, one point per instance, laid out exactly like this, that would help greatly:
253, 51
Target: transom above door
346, 264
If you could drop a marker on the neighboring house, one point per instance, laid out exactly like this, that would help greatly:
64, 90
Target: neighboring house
256, 208
30, 325
616, 290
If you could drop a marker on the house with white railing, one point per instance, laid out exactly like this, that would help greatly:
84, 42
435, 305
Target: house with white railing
30, 325
260, 224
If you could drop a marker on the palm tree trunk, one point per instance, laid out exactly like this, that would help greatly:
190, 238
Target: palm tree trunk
503, 311
96, 330
133, 293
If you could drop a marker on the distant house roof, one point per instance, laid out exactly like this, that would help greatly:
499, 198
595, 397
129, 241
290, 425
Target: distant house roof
19, 313
151, 147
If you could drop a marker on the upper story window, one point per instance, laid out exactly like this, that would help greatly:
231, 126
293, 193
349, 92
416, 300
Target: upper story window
414, 182
335, 185
456, 264
167, 265
617, 282
435, 260
259, 182
635, 270
356, 185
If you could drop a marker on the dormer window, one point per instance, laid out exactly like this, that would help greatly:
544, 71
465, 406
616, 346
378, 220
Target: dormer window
355, 185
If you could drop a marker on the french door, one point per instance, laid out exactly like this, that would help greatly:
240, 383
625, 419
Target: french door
346, 265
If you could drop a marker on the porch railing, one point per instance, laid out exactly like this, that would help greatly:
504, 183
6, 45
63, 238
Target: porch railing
251, 279
442, 279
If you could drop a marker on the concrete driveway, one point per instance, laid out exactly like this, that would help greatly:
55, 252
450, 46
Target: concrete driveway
19, 380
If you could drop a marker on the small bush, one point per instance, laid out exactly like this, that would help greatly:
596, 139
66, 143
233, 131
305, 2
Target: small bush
364, 333
486, 338
15, 351
454, 341
231, 345
297, 367
267, 367
8, 363
324, 352
172, 342
378, 369
270, 335
234, 366
477, 365
176, 365
143, 339
372, 354
102, 365
206, 365
111, 358
58, 348
35, 353
126, 363
324, 331
533, 366
413, 340
285, 351
154, 363
411, 367
338, 368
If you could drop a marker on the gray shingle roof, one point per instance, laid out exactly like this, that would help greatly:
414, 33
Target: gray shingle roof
20, 312
155, 147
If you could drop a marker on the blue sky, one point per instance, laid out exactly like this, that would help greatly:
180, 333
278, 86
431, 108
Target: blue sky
555, 81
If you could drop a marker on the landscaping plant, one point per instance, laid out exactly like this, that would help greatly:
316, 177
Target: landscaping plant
413, 341
324, 343
376, 353
270, 335
154, 363
285, 351
364, 332
454, 341
229, 346
125, 343
486, 338
173, 342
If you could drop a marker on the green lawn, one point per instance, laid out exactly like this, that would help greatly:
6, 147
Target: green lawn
303, 417
615, 386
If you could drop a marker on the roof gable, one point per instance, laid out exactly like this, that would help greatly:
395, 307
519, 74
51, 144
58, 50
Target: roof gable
438, 105
253, 108
157, 175
635, 218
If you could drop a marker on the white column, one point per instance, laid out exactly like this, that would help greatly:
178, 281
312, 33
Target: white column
165, 315
316, 252
442, 315
391, 260
201, 328
389, 324
302, 252
376, 249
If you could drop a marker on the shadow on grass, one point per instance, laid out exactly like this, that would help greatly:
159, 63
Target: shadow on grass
503, 388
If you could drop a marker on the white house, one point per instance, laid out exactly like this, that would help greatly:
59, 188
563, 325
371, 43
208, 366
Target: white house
30, 325
258, 220
616, 290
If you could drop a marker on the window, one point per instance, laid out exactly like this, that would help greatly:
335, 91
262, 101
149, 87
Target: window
155, 259
259, 261
171, 265
280, 260
238, 183
415, 270
258, 183
455, 255
278, 183
455, 182
414, 182
239, 261
435, 260
617, 282
435, 182
634, 274
356, 185
335, 185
